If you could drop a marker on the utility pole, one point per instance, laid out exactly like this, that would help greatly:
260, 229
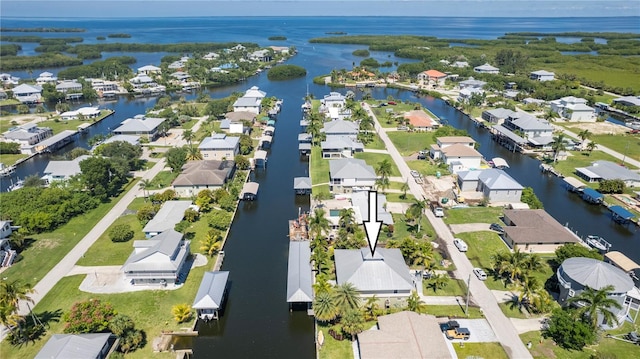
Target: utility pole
626, 149
466, 306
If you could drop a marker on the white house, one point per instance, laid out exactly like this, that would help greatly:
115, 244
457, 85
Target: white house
28, 93
340, 146
62, 171
542, 75
46, 78
348, 174
149, 69
334, 99
71, 86
219, 147
628, 100
466, 93
340, 128
494, 184
84, 112
472, 83
446, 141
460, 157
140, 125
497, 115
27, 135
250, 104
486, 69
574, 109
199, 175
528, 126
170, 214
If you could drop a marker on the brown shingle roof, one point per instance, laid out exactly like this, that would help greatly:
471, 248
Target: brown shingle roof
460, 151
535, 226
200, 173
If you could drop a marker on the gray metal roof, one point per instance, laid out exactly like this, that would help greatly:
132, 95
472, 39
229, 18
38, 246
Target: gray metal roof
386, 271
500, 112
250, 187
340, 127
219, 143
247, 102
162, 253
211, 290
65, 168
508, 133
496, 179
299, 277
55, 138
341, 143
167, 217
351, 168
132, 139
609, 170
304, 146
135, 125
596, 274
74, 346
361, 201
304, 137
529, 122
301, 183
26, 89
543, 73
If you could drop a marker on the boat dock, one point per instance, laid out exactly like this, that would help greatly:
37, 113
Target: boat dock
298, 230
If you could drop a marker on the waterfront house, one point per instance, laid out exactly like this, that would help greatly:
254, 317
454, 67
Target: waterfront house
131, 139
542, 75
420, 120
170, 214
471, 83
577, 273
28, 93
239, 116
84, 113
149, 70
71, 86
199, 175
334, 99
486, 69
497, 115
528, 126
249, 104
627, 101
534, 230
574, 109
360, 205
264, 55
62, 171
446, 141
494, 184
607, 170
460, 157
140, 125
347, 174
384, 274
160, 260
340, 146
299, 274
101, 86
340, 128
210, 295
46, 78
406, 335
219, 147
468, 92
27, 135
9, 80
434, 77
78, 346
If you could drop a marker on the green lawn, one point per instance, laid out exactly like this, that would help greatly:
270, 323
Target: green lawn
49, 248
625, 144
11, 159
482, 245
58, 125
609, 348
455, 287
512, 311
426, 168
402, 229
163, 179
319, 167
473, 215
454, 311
409, 143
396, 197
9, 102
376, 143
480, 350
373, 159
334, 349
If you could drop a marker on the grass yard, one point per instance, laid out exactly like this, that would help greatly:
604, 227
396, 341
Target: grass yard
334, 349
319, 167
376, 143
49, 248
482, 245
402, 229
58, 125
426, 168
625, 144
512, 311
11, 159
163, 179
373, 159
473, 215
581, 159
409, 143
397, 197
454, 311
480, 350
455, 287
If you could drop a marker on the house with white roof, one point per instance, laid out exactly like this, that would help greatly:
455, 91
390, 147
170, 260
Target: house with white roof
27, 135
360, 202
140, 125
486, 69
101, 86
347, 174
62, 171
494, 184
542, 75
170, 214
76, 346
340, 146
70, 86
263, 55
574, 109
211, 56
460, 64
607, 170
471, 83
210, 296
219, 147
384, 274
199, 175
340, 128
528, 126
466, 93
28, 93
160, 260
496, 115
627, 100
149, 70
9, 80
334, 99
250, 104
131, 139
255, 92
46, 78
83, 112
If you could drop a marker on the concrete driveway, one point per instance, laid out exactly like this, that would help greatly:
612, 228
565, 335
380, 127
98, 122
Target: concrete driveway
480, 330
469, 227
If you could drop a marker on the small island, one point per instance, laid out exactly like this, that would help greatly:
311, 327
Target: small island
286, 72
119, 36
277, 38
361, 53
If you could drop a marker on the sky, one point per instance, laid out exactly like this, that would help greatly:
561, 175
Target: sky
457, 8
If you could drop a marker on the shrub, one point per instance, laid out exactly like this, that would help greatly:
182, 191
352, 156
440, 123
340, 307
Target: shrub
90, 316
121, 233
182, 312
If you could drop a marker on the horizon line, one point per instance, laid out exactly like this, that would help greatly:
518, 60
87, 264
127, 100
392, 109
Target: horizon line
315, 16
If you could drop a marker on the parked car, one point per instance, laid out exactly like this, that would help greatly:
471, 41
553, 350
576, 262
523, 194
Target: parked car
479, 272
452, 324
458, 333
415, 174
403, 128
422, 156
391, 102
496, 227
459, 243
438, 211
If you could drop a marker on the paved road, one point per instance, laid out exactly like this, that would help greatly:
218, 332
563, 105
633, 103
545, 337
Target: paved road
67, 263
502, 326
604, 149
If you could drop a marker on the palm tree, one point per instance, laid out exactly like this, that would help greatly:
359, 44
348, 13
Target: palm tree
533, 262
383, 183
193, 153
212, 243
346, 297
438, 281
558, 146
550, 115
511, 263
384, 168
404, 189
324, 307
321, 196
145, 185
352, 322
318, 223
529, 288
593, 302
371, 308
347, 220
320, 258
417, 209
423, 255
591, 146
11, 293
415, 304
188, 135
181, 312
322, 285
584, 134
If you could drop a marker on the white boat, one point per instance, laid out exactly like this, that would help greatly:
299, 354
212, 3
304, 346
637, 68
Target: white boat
6, 170
598, 243
16, 186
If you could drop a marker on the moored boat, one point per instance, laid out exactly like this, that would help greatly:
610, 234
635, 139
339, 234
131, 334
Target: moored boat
598, 243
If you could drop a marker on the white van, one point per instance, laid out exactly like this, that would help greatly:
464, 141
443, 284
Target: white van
459, 243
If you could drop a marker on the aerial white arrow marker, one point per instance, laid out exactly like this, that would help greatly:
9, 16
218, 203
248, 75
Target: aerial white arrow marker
372, 225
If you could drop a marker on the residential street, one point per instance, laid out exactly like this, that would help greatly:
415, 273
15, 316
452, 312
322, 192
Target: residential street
503, 327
